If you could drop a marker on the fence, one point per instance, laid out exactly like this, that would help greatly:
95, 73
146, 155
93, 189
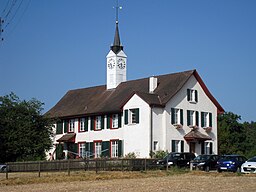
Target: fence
82, 164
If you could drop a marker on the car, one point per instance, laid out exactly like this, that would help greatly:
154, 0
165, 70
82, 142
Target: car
3, 167
249, 166
230, 163
205, 162
176, 159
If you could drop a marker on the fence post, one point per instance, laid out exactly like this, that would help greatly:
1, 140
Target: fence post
69, 167
39, 169
96, 166
145, 164
6, 175
122, 165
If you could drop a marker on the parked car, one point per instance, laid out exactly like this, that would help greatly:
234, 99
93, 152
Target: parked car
176, 159
205, 162
3, 167
230, 163
249, 166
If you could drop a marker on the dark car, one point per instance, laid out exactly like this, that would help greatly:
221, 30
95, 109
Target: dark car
230, 163
176, 159
2, 167
205, 162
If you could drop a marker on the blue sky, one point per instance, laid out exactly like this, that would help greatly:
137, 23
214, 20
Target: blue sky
53, 46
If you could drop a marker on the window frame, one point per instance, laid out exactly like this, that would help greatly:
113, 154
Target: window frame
114, 148
132, 116
192, 95
71, 125
98, 123
97, 148
80, 151
114, 121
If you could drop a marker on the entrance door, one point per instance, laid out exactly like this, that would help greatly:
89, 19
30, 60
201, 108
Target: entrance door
192, 147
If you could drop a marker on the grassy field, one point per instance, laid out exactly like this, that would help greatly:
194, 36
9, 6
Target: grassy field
128, 181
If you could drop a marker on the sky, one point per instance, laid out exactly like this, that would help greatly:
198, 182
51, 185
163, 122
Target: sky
53, 46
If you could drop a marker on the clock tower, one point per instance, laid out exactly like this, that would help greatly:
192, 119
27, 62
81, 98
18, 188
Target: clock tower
116, 61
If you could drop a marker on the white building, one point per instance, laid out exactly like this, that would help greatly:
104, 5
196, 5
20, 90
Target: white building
172, 112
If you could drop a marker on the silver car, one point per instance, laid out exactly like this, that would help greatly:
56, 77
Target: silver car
249, 166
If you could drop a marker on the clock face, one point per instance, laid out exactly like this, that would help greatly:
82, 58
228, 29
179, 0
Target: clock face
111, 63
121, 63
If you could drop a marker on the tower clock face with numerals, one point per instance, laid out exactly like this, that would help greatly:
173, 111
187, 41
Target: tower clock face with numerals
111, 63
121, 63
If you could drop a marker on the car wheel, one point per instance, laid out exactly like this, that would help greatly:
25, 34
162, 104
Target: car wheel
219, 170
207, 169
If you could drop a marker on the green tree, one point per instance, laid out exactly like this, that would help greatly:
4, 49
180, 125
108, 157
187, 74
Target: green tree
24, 132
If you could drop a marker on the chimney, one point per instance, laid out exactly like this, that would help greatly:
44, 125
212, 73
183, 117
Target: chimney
152, 84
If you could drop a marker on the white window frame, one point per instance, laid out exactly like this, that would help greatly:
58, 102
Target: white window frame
206, 119
98, 149
115, 121
82, 124
192, 95
82, 150
132, 116
98, 123
71, 127
177, 146
207, 148
192, 117
114, 148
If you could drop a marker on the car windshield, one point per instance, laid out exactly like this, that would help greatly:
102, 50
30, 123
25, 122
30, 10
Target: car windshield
228, 158
252, 159
202, 157
172, 156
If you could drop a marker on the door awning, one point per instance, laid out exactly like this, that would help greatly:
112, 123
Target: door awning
69, 137
196, 135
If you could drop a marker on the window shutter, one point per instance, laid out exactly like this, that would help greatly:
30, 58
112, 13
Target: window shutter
196, 96
105, 148
202, 119
65, 126
102, 122
137, 113
182, 146
126, 116
86, 124
188, 118
211, 147
120, 148
188, 94
108, 121
197, 118
173, 145
202, 148
210, 119
119, 120
59, 128
92, 123
181, 116
172, 116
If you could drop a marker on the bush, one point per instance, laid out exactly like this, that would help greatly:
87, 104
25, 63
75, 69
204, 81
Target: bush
130, 155
159, 154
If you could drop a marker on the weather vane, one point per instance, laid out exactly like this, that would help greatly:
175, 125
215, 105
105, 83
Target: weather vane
117, 8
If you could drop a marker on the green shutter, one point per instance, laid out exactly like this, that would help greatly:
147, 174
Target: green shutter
59, 129
197, 118
210, 119
126, 116
105, 149
211, 147
202, 119
108, 121
188, 94
196, 96
188, 118
137, 113
172, 116
65, 126
120, 148
182, 146
86, 124
181, 116
92, 123
202, 148
119, 120
173, 145
102, 122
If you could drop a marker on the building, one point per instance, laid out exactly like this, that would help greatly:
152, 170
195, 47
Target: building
173, 112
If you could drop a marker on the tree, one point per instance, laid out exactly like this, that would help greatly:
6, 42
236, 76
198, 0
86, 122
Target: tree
24, 132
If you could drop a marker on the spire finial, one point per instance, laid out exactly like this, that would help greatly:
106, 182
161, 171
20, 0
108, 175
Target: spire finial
117, 8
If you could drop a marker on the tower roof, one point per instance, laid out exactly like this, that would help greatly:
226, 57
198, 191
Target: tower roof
116, 47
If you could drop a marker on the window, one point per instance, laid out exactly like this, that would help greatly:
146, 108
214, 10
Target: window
59, 129
98, 123
192, 95
177, 145
155, 147
71, 127
97, 150
82, 150
192, 118
131, 116
208, 148
176, 116
115, 121
206, 119
114, 148
82, 124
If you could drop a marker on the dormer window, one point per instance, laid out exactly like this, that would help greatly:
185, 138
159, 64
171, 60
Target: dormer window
131, 116
192, 95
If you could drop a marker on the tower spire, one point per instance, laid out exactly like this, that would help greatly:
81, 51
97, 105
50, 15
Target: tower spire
116, 47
